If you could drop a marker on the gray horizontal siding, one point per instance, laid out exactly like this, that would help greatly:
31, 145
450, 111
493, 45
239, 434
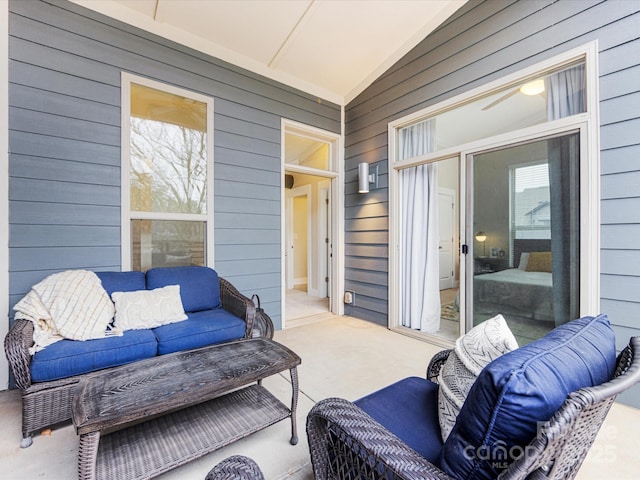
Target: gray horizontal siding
482, 42
64, 135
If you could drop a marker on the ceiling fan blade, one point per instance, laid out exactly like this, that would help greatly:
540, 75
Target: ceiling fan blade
501, 99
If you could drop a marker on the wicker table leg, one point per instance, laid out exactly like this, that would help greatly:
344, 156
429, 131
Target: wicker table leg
87, 455
294, 405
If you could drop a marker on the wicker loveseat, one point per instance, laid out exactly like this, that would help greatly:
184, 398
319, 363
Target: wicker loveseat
375, 437
216, 312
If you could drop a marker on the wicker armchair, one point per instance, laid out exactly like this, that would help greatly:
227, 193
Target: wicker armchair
345, 442
237, 467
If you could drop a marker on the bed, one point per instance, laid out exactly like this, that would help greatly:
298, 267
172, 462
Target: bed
525, 291
516, 292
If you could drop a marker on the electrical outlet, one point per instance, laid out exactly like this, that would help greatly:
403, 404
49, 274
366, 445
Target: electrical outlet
349, 297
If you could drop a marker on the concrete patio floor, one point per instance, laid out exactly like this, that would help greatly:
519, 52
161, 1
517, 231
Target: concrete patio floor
341, 356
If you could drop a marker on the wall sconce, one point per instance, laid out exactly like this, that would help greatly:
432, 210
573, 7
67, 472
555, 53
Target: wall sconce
482, 237
365, 178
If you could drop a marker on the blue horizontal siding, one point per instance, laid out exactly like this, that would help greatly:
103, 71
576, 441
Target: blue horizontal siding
485, 41
64, 135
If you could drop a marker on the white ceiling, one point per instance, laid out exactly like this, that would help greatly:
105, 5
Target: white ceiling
333, 49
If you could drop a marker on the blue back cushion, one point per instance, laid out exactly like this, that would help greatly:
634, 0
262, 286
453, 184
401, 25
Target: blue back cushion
122, 281
521, 388
409, 410
199, 286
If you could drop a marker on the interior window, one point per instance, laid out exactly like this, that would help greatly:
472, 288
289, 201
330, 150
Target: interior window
169, 157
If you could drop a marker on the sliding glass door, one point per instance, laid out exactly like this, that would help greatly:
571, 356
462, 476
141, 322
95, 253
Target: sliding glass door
523, 229
522, 168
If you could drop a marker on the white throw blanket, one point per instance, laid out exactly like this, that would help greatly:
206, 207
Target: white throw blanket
72, 304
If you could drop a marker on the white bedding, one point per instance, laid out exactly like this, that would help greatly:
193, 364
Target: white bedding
515, 275
515, 291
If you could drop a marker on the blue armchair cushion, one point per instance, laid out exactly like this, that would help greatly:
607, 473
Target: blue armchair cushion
199, 286
67, 358
200, 329
521, 388
409, 410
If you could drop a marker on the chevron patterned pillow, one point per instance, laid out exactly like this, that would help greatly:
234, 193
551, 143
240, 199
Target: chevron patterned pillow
473, 351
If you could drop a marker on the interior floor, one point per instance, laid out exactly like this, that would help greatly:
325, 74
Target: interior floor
524, 329
341, 357
301, 308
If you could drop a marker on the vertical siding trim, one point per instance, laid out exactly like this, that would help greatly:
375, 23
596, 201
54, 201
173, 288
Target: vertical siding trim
4, 185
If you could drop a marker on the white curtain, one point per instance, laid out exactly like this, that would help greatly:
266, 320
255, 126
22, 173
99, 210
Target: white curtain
565, 93
420, 232
565, 97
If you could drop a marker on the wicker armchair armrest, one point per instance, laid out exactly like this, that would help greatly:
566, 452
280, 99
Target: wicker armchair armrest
239, 305
16, 346
366, 447
436, 364
236, 467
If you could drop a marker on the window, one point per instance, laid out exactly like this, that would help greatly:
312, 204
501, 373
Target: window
167, 175
530, 202
525, 103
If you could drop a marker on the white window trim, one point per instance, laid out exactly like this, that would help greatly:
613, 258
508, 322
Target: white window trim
126, 80
586, 123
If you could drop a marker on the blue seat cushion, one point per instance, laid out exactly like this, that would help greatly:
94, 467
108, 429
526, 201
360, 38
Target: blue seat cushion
122, 281
522, 388
199, 286
409, 410
202, 328
67, 358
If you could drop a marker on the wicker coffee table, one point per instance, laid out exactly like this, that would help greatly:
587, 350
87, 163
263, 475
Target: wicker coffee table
140, 420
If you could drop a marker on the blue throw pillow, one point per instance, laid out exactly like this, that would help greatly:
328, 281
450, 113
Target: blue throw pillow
522, 388
199, 286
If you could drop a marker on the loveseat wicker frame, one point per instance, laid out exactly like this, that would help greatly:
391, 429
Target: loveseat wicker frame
345, 442
45, 404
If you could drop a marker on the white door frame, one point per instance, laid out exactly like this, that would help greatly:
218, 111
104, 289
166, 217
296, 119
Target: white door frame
324, 239
336, 177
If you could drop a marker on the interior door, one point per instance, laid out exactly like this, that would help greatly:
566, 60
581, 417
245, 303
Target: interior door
446, 205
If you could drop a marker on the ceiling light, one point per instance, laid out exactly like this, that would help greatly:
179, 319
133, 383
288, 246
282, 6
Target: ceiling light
533, 87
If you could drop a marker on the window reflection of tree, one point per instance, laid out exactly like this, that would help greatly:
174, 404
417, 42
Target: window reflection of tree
168, 167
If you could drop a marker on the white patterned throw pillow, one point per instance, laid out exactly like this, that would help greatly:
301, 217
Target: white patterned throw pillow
148, 308
473, 351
